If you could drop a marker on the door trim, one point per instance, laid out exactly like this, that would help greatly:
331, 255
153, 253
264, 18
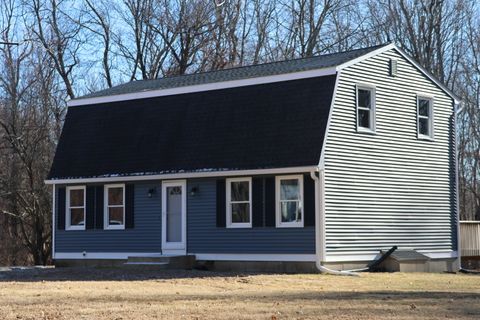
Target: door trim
175, 247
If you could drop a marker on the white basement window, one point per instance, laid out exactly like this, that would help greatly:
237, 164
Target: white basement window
239, 205
75, 213
424, 118
114, 218
365, 99
289, 206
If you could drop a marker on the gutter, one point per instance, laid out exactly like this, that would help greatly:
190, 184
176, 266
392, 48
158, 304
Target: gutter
457, 109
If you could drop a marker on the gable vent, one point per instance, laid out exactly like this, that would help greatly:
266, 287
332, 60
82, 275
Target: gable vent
393, 67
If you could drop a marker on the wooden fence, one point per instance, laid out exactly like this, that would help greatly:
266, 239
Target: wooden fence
470, 238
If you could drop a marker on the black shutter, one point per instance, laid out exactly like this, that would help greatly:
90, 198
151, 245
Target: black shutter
129, 205
90, 210
61, 209
270, 202
221, 204
257, 202
308, 201
99, 207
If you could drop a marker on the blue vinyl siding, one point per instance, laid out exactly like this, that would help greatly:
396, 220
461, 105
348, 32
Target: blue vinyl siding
145, 237
203, 236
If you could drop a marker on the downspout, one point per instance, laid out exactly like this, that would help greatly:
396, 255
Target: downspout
54, 222
320, 225
457, 109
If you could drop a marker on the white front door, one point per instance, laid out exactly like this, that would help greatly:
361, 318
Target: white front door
174, 217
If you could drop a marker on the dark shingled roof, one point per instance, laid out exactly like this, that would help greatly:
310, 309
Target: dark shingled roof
272, 125
267, 69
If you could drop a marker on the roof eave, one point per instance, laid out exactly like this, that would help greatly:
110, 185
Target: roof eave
183, 175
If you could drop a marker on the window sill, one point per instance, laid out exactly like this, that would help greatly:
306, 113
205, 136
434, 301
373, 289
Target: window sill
366, 131
425, 138
239, 226
74, 228
290, 225
114, 228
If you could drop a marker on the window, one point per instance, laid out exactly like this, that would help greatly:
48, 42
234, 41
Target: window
424, 118
365, 109
239, 206
114, 206
289, 195
75, 201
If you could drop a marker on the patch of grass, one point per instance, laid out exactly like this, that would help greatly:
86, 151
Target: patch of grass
118, 294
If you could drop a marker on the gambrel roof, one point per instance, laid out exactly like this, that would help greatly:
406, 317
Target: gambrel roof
271, 125
265, 116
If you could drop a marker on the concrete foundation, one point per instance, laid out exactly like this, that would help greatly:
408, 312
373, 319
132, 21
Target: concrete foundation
432, 265
98, 263
258, 266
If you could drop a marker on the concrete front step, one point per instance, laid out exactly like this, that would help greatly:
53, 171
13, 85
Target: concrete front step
161, 262
149, 259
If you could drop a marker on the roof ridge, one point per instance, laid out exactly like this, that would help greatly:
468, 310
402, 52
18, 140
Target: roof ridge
262, 64
236, 73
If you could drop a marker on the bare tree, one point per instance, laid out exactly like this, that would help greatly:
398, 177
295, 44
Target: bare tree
98, 22
29, 116
60, 35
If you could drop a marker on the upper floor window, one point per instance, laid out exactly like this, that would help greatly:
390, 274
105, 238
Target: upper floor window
75, 213
114, 206
239, 206
289, 195
425, 117
365, 109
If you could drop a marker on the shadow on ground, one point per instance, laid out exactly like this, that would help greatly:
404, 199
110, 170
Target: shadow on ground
103, 274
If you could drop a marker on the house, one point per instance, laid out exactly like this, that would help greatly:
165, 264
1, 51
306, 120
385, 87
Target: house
325, 160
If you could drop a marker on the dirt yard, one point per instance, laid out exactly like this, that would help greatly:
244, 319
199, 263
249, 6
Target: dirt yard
118, 294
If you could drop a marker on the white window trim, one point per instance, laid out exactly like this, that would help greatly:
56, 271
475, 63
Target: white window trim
68, 216
430, 119
106, 225
372, 110
278, 218
228, 201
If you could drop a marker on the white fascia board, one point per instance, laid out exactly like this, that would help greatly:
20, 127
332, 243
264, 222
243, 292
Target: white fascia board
366, 56
204, 87
186, 175
321, 162
406, 56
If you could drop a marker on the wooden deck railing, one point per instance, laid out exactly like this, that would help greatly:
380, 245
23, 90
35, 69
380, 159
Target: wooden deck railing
470, 238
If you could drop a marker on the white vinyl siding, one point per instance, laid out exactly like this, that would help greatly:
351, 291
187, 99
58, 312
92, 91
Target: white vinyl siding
389, 188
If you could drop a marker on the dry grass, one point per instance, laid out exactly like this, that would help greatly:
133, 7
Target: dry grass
115, 294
